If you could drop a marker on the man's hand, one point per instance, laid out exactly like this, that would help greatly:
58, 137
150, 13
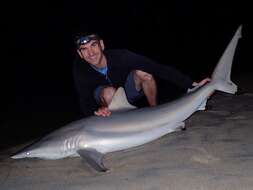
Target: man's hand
196, 85
103, 111
202, 82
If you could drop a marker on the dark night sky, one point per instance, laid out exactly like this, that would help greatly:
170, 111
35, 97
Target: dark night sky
38, 40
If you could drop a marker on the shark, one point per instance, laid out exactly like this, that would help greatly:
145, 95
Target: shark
93, 137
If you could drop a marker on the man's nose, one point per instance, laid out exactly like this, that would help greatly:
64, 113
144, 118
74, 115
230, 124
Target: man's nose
90, 52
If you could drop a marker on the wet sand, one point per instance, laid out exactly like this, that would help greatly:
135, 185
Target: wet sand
215, 152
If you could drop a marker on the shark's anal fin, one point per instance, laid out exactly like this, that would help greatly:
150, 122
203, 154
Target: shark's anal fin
94, 158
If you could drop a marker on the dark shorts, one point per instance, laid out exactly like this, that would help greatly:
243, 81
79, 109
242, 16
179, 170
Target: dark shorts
132, 93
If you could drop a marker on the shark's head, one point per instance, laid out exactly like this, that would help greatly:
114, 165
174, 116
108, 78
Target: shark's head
28, 152
23, 154
37, 152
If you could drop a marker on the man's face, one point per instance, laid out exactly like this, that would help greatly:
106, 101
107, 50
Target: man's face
92, 52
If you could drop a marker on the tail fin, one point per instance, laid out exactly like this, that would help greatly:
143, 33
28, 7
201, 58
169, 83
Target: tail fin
222, 72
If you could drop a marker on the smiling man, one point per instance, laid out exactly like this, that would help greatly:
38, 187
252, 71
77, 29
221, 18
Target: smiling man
98, 73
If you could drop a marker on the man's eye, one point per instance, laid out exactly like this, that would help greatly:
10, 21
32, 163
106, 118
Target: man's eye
94, 44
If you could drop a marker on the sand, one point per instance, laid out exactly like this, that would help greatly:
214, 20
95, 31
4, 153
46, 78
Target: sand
215, 152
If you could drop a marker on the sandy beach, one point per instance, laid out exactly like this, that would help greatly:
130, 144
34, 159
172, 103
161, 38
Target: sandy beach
215, 152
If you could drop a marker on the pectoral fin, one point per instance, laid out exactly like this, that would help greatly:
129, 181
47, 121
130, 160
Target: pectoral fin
94, 158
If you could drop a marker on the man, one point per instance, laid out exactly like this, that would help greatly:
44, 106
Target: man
98, 73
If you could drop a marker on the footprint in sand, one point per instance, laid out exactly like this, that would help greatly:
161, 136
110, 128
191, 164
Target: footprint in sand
204, 159
238, 117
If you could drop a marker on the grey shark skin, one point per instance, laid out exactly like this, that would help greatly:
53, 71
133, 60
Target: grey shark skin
93, 137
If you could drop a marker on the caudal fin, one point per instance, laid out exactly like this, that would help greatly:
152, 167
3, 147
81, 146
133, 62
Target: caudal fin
221, 74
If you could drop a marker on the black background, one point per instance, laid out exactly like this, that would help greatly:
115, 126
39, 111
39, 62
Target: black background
38, 94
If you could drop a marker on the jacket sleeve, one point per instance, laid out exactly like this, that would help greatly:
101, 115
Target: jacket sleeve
170, 74
84, 91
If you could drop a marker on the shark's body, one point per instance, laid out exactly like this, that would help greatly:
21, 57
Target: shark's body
94, 136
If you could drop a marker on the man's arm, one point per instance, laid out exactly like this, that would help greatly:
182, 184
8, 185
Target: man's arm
84, 92
87, 103
168, 73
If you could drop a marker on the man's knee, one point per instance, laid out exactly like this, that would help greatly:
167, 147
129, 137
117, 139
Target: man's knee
107, 94
141, 76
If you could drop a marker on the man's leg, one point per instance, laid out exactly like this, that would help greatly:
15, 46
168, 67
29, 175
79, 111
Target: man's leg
106, 95
147, 83
103, 96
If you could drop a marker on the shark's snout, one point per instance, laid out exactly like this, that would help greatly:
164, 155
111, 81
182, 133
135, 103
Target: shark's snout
21, 155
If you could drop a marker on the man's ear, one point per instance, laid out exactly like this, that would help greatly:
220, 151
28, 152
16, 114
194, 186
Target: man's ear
79, 53
102, 44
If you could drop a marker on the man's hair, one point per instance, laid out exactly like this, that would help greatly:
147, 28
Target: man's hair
85, 38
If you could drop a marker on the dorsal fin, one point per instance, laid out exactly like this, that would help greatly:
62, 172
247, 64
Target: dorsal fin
119, 101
